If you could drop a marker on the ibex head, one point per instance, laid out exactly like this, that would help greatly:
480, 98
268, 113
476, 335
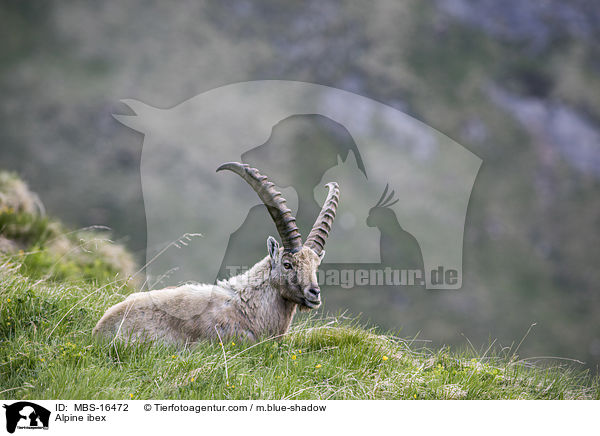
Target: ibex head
293, 266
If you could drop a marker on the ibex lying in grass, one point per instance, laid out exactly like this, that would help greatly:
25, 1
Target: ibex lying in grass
260, 302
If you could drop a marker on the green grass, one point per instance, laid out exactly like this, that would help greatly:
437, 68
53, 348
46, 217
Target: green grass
47, 352
55, 285
43, 249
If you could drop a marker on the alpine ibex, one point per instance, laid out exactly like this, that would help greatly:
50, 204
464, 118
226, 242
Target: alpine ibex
260, 302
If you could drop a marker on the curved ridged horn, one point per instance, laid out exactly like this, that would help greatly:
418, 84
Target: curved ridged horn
276, 204
322, 227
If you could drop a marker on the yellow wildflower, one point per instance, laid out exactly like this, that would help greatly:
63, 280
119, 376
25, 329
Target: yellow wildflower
131, 396
293, 357
232, 343
384, 358
318, 366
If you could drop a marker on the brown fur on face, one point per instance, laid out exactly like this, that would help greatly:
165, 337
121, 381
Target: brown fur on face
296, 274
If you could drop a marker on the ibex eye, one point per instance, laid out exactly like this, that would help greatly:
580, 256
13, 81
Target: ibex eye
287, 265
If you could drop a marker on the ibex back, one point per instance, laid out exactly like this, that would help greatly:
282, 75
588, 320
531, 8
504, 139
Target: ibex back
260, 302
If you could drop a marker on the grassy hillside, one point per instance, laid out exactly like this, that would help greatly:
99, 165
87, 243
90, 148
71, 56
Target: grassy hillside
515, 82
52, 294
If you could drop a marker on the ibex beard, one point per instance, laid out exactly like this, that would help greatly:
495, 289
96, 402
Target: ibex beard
259, 303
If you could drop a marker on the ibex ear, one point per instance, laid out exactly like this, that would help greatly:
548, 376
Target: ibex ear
272, 247
321, 256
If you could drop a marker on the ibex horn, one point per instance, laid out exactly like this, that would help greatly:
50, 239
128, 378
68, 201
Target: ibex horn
318, 235
276, 204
